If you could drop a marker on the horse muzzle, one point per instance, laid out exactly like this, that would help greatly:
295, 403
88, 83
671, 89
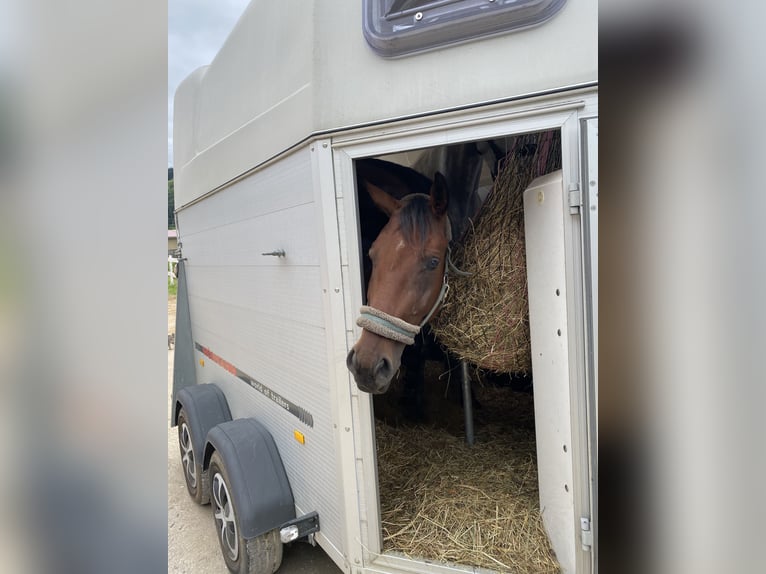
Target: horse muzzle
373, 372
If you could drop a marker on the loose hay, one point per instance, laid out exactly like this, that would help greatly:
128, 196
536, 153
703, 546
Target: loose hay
443, 501
485, 319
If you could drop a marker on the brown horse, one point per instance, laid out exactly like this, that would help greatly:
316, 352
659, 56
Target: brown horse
407, 284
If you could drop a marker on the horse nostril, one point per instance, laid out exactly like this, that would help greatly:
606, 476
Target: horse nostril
383, 369
350, 360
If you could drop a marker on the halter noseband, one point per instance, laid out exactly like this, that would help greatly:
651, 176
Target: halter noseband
394, 328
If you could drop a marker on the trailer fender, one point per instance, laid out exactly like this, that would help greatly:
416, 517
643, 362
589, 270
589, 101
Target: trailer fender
262, 495
205, 406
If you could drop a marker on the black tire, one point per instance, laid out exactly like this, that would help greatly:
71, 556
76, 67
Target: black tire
259, 555
197, 480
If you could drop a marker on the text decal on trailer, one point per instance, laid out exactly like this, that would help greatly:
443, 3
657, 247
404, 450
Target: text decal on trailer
302, 414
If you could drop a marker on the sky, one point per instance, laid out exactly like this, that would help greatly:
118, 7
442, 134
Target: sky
196, 31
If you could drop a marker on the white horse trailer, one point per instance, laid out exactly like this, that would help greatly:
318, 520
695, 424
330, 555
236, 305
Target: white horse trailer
273, 427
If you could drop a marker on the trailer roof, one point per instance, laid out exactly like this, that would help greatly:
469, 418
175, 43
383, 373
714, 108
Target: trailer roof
291, 69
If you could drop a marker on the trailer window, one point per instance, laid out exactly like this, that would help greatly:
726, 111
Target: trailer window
399, 27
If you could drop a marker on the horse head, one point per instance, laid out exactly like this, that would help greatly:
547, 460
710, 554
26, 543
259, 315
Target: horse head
407, 283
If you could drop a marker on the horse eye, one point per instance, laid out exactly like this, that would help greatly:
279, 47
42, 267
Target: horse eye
433, 263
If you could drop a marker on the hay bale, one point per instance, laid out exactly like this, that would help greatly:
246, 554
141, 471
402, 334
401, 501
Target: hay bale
445, 502
485, 319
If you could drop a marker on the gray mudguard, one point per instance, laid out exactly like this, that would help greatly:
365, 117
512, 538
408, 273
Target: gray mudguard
205, 406
262, 495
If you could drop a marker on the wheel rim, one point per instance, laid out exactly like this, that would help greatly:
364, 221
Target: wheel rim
224, 517
187, 455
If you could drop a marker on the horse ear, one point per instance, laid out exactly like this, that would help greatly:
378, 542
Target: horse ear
439, 195
386, 203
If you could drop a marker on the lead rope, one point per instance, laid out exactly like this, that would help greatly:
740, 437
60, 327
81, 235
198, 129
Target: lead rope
399, 330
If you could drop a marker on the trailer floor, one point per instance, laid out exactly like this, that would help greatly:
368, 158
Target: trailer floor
192, 543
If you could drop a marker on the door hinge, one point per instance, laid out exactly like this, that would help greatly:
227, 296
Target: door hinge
575, 198
586, 534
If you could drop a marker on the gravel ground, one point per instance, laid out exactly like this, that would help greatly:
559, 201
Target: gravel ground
192, 543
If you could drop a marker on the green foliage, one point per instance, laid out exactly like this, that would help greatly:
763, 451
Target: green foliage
171, 206
172, 289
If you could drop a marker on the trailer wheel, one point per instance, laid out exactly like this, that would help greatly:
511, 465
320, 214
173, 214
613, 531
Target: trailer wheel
259, 555
197, 480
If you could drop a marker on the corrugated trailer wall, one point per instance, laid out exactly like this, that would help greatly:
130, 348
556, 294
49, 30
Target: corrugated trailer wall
264, 315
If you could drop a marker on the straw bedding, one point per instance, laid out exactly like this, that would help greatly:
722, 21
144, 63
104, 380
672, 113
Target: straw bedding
485, 319
443, 501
